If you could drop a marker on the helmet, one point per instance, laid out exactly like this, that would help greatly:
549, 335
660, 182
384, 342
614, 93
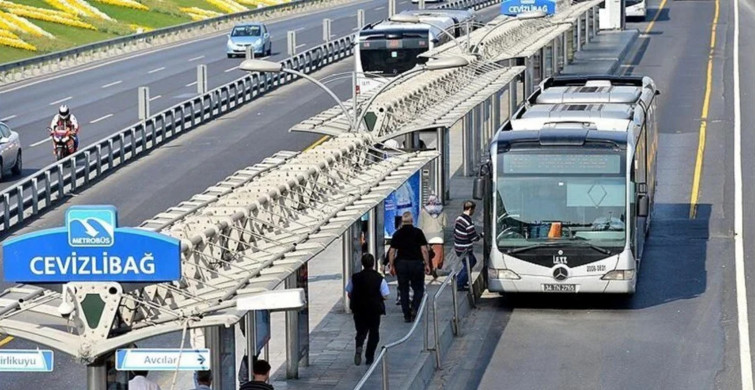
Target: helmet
64, 112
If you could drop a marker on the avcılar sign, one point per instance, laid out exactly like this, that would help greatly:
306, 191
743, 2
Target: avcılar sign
91, 248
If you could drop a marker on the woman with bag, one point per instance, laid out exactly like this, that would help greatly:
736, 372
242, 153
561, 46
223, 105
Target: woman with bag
433, 222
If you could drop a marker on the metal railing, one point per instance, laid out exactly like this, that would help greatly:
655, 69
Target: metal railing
35, 193
382, 357
69, 58
50, 184
450, 279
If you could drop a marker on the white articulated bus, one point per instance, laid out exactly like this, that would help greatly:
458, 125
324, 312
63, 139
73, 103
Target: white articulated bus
572, 180
386, 49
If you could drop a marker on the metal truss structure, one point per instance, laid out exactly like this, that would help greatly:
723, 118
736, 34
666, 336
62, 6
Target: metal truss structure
244, 235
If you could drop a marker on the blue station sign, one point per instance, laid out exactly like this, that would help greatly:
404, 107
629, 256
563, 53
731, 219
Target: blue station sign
516, 7
91, 248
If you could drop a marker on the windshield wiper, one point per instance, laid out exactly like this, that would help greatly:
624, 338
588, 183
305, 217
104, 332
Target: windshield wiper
526, 248
556, 243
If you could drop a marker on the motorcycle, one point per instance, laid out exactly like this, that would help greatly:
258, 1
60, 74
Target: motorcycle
62, 140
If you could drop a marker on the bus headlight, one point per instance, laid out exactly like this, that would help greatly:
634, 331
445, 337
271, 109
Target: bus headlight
505, 274
619, 274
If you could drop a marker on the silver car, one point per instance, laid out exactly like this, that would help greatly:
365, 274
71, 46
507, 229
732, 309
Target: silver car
243, 35
10, 151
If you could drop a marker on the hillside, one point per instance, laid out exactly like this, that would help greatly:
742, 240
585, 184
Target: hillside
32, 27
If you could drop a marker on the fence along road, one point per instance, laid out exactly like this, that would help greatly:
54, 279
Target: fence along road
104, 95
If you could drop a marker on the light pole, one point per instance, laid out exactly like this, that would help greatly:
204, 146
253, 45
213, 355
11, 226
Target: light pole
355, 121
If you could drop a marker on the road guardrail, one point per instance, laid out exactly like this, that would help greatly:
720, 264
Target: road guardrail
65, 59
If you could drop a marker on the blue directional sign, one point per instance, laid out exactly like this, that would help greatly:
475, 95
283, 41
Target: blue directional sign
91, 248
162, 359
515, 7
26, 360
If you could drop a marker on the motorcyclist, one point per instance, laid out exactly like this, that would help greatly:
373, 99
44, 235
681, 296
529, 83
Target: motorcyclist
65, 119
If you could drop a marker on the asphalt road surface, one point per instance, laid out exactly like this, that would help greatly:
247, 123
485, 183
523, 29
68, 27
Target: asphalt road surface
103, 96
689, 324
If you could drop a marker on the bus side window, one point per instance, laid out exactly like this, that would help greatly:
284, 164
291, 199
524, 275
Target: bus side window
640, 159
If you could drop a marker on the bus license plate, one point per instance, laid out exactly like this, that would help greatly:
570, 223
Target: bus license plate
560, 288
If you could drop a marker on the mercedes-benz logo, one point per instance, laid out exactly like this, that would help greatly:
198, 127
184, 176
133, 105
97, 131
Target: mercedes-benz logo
560, 273
560, 252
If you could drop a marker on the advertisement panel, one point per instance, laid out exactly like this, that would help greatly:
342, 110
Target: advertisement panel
405, 198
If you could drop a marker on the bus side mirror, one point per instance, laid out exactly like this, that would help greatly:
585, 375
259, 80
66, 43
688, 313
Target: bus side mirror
643, 204
478, 188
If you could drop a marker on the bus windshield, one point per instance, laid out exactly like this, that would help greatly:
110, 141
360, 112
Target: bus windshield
560, 195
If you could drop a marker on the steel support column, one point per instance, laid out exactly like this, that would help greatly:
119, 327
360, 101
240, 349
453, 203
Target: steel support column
443, 163
496, 117
513, 103
465, 144
250, 330
292, 334
347, 269
528, 76
97, 376
554, 58
220, 341
372, 228
595, 21
564, 50
579, 33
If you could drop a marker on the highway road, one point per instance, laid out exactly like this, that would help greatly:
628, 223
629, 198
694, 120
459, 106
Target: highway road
184, 167
690, 324
103, 96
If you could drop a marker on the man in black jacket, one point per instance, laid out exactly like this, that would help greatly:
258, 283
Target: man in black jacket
367, 290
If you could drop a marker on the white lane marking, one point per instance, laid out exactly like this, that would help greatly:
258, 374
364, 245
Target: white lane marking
403, 2
7, 118
61, 100
231, 69
300, 29
745, 363
379, 8
101, 118
155, 98
156, 70
190, 84
113, 83
39, 142
195, 58
302, 45
355, 29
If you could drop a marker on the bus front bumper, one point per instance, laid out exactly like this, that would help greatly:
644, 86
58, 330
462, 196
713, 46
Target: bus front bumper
546, 284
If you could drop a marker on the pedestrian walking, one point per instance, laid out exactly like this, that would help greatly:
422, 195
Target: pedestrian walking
433, 223
261, 371
409, 260
465, 235
140, 382
367, 292
203, 380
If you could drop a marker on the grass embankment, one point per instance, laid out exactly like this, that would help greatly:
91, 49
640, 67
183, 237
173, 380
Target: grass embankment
124, 21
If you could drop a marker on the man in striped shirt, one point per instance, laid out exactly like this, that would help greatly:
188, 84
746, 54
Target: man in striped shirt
465, 235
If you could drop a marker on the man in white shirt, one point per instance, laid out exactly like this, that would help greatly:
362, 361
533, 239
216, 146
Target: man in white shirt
140, 382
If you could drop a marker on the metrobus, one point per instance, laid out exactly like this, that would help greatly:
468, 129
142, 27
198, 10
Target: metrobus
572, 180
386, 49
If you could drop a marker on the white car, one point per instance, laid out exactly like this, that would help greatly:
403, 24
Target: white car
10, 151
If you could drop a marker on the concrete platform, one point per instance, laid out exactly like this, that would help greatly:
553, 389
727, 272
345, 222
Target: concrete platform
604, 54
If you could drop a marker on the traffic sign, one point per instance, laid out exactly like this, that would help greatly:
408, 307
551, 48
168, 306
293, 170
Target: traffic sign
26, 360
515, 7
162, 359
92, 248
